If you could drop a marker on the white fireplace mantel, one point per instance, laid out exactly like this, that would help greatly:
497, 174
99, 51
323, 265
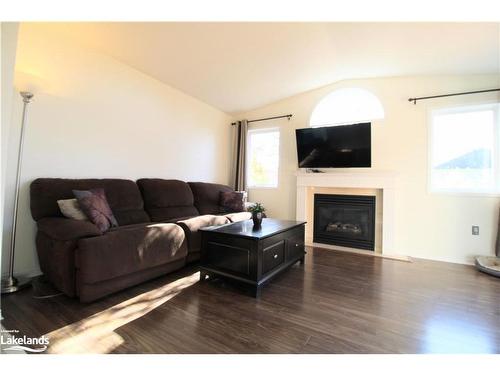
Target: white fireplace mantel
383, 180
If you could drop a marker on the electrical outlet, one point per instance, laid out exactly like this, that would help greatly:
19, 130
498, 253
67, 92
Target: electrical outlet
475, 230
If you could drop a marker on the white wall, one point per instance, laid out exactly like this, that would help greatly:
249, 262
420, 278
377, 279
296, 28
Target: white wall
8, 32
428, 225
97, 117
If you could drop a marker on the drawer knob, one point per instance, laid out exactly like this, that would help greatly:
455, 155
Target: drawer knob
275, 256
296, 245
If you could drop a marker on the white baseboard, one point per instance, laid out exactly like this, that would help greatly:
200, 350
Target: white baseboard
402, 258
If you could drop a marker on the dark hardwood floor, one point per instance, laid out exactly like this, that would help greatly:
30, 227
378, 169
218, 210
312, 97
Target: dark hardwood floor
336, 303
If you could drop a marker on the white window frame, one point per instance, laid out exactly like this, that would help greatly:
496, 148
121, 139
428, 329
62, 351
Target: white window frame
260, 131
495, 106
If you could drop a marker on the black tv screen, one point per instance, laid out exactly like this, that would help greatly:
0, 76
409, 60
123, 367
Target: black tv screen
346, 146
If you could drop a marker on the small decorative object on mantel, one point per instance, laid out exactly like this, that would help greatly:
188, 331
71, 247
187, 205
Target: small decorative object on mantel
257, 211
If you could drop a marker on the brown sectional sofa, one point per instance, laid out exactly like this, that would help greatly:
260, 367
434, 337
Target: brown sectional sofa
157, 233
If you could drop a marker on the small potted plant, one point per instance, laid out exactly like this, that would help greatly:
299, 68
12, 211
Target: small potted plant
257, 211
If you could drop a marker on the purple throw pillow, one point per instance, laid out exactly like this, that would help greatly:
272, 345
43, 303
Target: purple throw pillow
94, 204
232, 201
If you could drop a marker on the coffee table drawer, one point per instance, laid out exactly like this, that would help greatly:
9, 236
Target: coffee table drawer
295, 247
273, 256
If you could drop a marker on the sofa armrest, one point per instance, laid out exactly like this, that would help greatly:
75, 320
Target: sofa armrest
239, 216
63, 229
191, 227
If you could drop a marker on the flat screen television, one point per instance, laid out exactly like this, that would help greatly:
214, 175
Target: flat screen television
346, 146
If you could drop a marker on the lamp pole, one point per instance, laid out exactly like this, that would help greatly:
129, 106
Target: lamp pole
11, 284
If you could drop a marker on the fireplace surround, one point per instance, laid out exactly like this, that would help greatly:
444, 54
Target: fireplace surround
382, 184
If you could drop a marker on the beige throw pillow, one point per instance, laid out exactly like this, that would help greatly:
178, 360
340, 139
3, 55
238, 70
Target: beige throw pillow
71, 209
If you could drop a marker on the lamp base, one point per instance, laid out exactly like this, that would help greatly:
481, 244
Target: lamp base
12, 284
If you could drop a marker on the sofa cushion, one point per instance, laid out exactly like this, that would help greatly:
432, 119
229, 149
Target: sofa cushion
123, 196
127, 250
95, 205
166, 200
232, 201
71, 209
192, 225
207, 197
64, 229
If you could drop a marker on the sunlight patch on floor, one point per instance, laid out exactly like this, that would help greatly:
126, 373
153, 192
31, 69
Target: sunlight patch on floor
451, 335
95, 334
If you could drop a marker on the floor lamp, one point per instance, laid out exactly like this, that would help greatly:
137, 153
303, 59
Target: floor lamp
11, 284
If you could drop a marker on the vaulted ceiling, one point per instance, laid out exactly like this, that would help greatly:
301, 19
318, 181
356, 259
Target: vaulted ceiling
240, 66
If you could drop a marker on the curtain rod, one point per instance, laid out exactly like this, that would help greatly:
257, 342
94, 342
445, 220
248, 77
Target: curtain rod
414, 100
267, 118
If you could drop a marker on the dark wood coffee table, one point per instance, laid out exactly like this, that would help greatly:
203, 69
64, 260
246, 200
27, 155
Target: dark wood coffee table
249, 255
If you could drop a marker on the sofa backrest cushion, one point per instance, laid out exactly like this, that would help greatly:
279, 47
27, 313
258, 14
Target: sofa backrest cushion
123, 197
165, 200
207, 197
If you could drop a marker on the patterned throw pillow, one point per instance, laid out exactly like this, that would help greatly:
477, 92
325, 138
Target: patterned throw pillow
94, 204
232, 201
71, 209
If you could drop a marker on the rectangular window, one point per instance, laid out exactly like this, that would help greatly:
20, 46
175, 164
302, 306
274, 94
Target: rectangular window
464, 150
263, 147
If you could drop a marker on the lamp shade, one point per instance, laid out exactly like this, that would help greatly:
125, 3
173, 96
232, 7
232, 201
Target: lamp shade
29, 82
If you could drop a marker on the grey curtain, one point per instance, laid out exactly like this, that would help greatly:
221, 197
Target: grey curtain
497, 247
239, 155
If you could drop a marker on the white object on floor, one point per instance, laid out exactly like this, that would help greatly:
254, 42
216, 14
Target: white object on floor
489, 265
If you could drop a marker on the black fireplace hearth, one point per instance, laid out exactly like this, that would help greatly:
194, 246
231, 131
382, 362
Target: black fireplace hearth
345, 220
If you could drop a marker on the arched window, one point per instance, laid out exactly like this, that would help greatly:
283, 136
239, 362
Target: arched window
347, 106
